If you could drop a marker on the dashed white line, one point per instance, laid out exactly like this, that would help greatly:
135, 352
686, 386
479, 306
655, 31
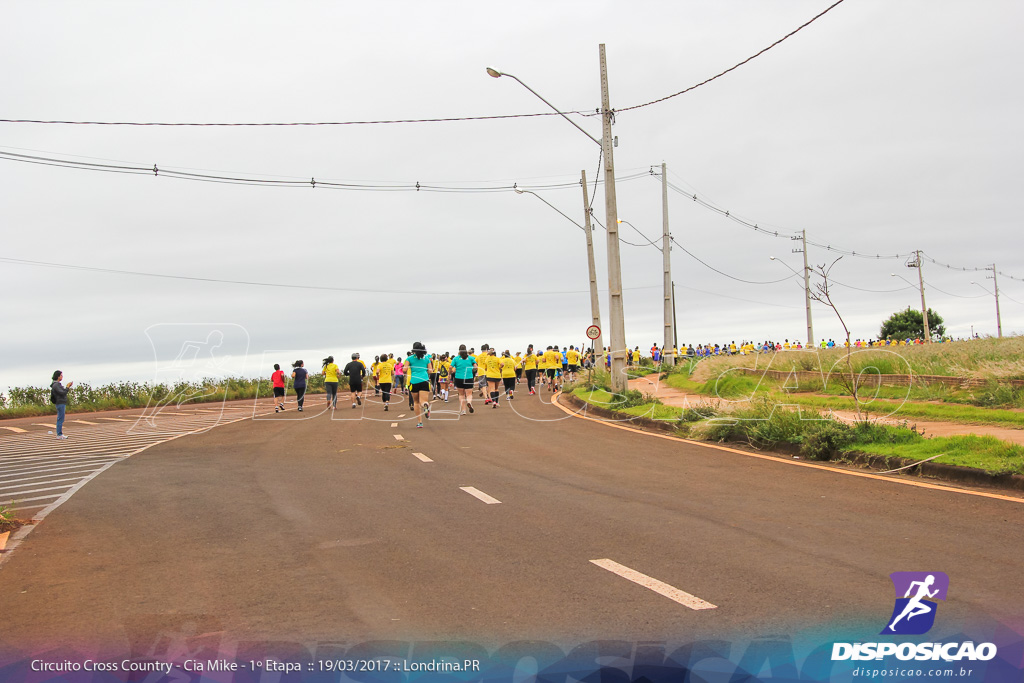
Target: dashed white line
398, 437
423, 457
16, 430
477, 493
43, 424
84, 422
659, 587
115, 419
394, 424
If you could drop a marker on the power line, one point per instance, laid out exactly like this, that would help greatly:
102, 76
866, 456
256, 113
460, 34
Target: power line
239, 179
710, 267
736, 66
255, 124
359, 290
430, 120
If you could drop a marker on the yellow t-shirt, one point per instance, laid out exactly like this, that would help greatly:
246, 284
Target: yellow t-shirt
530, 362
331, 373
519, 360
386, 371
493, 365
552, 360
508, 367
573, 356
636, 356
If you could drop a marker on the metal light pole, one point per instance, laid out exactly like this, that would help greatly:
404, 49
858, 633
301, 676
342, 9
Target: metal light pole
595, 307
617, 323
668, 349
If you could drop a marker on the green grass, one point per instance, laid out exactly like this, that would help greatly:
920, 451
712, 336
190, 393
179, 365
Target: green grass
767, 423
982, 452
733, 386
35, 401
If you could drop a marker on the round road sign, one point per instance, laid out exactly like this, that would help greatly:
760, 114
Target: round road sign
593, 332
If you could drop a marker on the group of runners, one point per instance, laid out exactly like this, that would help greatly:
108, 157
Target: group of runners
427, 377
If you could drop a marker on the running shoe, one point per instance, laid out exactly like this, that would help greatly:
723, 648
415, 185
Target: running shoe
62, 436
426, 410
359, 400
495, 405
385, 407
300, 409
353, 406
487, 401
463, 412
471, 411
419, 425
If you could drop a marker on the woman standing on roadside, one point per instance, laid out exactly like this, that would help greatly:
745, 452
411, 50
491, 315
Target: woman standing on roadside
299, 374
418, 367
330, 373
277, 379
463, 371
59, 398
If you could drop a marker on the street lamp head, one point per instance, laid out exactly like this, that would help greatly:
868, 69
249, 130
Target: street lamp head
494, 73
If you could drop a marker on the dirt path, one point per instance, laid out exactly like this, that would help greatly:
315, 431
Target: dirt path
677, 397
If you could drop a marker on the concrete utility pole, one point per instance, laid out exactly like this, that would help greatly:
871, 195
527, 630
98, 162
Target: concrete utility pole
807, 288
668, 349
924, 308
999, 320
595, 306
617, 322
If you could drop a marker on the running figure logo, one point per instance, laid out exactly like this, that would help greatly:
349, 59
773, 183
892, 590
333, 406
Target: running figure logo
914, 613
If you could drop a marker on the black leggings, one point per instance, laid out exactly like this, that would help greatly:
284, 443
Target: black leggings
300, 394
332, 391
531, 378
385, 390
510, 384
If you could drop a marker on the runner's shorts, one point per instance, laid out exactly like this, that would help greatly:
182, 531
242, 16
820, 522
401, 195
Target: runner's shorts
463, 383
278, 392
420, 386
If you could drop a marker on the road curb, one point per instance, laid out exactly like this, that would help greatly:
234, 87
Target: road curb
882, 463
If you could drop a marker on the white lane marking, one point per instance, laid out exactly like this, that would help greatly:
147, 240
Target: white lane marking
16, 430
398, 437
476, 493
115, 419
48, 488
394, 424
423, 457
43, 424
401, 416
25, 500
34, 483
659, 587
84, 422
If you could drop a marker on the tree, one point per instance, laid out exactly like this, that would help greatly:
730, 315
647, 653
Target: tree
910, 323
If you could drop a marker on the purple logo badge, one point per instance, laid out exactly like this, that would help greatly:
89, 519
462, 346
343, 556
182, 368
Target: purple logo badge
916, 592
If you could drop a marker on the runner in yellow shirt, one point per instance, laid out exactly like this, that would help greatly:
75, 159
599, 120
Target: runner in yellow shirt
530, 369
552, 361
384, 375
508, 373
330, 373
573, 358
492, 365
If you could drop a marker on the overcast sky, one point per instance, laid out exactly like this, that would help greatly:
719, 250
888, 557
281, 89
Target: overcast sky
883, 127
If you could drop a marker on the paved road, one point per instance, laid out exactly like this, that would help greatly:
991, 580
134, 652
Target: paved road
307, 528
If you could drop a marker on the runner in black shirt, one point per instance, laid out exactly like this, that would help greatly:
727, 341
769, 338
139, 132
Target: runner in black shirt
355, 371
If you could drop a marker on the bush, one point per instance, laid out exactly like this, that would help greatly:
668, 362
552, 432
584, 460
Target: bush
633, 397
822, 439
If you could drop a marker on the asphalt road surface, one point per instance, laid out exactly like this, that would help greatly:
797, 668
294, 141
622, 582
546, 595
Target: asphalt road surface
509, 524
